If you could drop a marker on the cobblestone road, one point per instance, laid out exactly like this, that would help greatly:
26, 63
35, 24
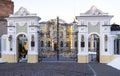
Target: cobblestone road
49, 69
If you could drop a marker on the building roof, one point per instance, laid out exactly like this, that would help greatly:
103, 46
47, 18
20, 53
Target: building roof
54, 21
44, 22
23, 12
115, 27
60, 20
94, 11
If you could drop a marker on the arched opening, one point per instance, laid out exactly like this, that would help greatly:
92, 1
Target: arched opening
22, 48
48, 44
42, 44
93, 48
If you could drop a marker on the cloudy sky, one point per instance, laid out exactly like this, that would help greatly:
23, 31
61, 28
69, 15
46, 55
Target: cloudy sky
68, 9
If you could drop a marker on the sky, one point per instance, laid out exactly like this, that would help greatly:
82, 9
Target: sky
68, 9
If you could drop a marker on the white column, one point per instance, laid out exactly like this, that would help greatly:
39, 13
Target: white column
92, 43
79, 42
115, 42
111, 45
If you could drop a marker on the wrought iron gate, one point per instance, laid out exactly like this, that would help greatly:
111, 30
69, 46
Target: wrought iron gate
57, 55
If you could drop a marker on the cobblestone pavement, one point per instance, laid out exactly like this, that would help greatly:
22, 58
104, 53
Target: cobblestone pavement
52, 69
104, 70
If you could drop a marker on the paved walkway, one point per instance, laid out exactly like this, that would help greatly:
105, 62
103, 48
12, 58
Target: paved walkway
56, 69
104, 70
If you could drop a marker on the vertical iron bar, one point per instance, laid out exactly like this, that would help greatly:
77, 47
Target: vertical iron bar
57, 38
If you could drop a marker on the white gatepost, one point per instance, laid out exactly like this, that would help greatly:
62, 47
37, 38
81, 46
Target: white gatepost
33, 41
106, 48
20, 25
9, 55
82, 44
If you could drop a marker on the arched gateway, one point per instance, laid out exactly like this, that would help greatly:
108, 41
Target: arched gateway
94, 36
20, 44
22, 47
93, 48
